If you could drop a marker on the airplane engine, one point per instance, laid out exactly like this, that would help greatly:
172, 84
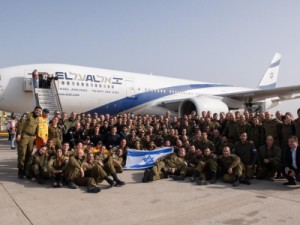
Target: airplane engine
202, 103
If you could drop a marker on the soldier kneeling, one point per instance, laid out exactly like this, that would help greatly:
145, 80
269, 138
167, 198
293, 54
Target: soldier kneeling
231, 168
37, 166
75, 174
57, 166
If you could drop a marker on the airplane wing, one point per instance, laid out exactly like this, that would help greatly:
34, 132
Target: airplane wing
283, 93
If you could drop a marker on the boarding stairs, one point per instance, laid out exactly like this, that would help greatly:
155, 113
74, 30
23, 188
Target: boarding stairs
48, 98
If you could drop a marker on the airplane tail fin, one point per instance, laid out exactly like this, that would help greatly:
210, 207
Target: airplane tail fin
269, 79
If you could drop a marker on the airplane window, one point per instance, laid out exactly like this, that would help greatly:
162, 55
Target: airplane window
112, 86
108, 86
87, 84
82, 84
100, 85
63, 83
68, 83
96, 85
73, 83
78, 84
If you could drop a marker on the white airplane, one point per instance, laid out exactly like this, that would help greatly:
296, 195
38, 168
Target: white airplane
85, 89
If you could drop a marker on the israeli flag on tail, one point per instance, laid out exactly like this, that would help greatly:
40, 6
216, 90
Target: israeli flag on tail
137, 159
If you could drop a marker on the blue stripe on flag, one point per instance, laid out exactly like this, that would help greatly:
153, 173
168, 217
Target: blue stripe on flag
141, 159
133, 152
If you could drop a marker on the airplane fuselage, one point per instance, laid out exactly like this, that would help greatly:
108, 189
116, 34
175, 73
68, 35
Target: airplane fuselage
85, 89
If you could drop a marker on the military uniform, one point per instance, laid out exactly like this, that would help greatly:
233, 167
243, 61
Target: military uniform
232, 161
268, 170
73, 173
271, 128
37, 166
257, 135
56, 163
248, 156
109, 167
243, 127
55, 134
203, 144
207, 167
231, 131
163, 166
118, 163
192, 160
27, 129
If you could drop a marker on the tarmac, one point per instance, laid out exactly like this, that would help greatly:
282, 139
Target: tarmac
161, 202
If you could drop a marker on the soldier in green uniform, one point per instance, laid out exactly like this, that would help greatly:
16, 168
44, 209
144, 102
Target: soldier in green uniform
57, 166
66, 151
231, 129
118, 160
55, 133
271, 127
205, 143
37, 165
192, 158
230, 167
243, 125
69, 123
75, 174
247, 153
92, 168
170, 164
269, 159
206, 168
107, 162
26, 133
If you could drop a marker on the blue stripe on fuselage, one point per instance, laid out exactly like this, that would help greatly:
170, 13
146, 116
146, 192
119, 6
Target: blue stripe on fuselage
142, 98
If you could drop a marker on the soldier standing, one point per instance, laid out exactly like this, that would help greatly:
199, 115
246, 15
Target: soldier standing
26, 132
55, 133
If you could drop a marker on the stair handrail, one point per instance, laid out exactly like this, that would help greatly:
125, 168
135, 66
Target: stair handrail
55, 92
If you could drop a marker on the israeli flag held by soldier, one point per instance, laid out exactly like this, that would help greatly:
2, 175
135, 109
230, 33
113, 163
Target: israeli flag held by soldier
137, 159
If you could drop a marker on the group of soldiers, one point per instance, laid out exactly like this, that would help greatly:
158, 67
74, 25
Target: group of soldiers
85, 149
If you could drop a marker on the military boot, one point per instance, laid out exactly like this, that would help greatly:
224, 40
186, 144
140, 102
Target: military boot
180, 177
117, 180
201, 181
55, 184
236, 181
194, 176
21, 173
214, 177
110, 181
60, 183
40, 179
72, 185
93, 189
245, 181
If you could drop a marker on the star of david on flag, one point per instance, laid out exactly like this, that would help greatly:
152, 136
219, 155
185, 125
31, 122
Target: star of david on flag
142, 159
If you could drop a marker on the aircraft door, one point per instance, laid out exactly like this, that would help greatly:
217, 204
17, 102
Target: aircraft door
130, 89
28, 81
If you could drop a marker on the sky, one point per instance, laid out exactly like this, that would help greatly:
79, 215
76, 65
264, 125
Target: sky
230, 42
